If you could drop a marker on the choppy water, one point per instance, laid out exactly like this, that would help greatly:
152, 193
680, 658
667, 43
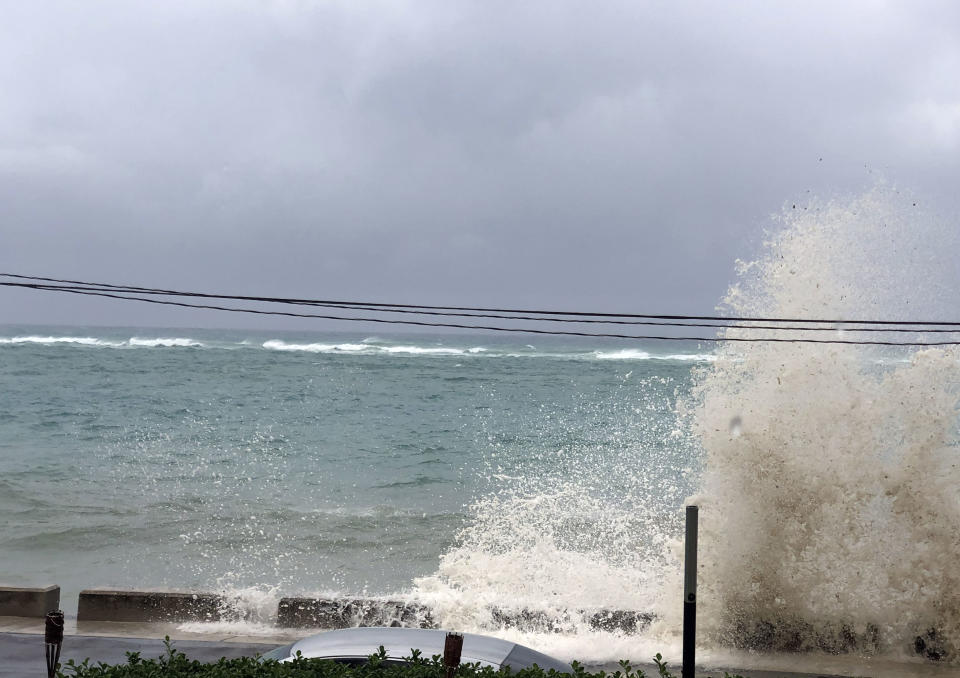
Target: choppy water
478, 472
302, 463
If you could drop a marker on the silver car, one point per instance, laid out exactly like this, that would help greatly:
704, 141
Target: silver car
354, 646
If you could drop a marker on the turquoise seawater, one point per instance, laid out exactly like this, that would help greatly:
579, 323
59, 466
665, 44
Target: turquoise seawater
302, 462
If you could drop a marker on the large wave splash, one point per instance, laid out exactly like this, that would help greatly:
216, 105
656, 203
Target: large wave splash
827, 475
566, 552
830, 514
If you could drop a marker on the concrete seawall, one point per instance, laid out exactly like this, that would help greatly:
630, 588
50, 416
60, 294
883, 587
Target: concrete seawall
28, 602
149, 606
343, 613
165, 605
173, 607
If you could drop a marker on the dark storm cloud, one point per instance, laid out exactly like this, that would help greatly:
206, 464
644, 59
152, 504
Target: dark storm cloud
595, 155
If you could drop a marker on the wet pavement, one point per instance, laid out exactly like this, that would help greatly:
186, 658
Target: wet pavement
22, 654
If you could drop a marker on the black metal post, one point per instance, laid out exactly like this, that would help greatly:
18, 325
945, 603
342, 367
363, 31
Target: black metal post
53, 640
452, 649
690, 594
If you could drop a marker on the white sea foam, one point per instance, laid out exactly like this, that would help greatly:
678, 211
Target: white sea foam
133, 342
623, 354
637, 354
277, 345
247, 610
422, 350
80, 341
689, 357
173, 342
368, 348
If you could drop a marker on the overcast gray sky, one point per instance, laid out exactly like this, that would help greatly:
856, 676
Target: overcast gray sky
595, 155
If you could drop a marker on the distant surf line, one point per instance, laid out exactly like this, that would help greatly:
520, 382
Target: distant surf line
342, 348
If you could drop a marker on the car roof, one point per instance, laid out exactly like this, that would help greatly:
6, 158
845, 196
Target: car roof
364, 641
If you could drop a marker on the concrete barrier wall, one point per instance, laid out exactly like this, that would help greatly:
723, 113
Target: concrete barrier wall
158, 605
540, 621
343, 613
149, 606
28, 602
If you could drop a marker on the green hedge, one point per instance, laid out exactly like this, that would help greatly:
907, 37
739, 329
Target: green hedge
175, 664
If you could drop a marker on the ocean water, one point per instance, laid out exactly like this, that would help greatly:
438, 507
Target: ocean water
546, 476
307, 463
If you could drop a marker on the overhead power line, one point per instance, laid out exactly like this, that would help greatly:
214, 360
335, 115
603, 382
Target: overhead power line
409, 309
131, 293
524, 330
385, 306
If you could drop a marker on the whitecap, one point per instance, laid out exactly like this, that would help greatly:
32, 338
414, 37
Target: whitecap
420, 350
370, 349
623, 354
81, 341
173, 342
689, 357
278, 345
350, 348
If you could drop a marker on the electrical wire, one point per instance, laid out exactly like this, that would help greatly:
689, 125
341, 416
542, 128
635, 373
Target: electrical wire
343, 305
524, 330
383, 306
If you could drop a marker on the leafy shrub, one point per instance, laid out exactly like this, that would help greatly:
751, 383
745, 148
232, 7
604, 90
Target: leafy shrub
175, 664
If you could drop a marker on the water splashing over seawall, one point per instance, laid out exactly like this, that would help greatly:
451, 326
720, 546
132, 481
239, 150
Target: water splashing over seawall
826, 474
831, 516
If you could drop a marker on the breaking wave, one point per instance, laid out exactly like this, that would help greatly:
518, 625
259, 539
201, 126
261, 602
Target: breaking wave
370, 347
165, 343
829, 491
79, 341
826, 475
367, 347
133, 342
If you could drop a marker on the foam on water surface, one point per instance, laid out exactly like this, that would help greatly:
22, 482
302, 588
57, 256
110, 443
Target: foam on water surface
367, 347
166, 342
41, 340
